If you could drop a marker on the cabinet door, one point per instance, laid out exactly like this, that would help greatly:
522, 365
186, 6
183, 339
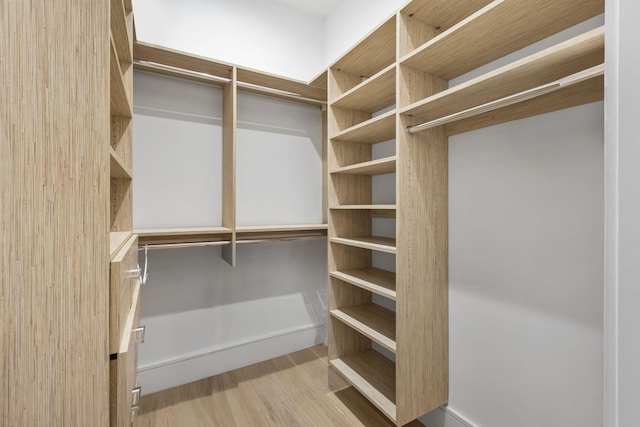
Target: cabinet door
125, 274
125, 393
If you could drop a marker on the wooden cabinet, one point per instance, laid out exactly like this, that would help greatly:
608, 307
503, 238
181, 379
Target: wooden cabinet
395, 84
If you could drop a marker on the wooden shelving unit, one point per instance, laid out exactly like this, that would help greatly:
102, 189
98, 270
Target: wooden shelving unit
374, 98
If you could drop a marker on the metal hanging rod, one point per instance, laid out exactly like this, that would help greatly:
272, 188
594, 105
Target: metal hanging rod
184, 245
587, 74
216, 79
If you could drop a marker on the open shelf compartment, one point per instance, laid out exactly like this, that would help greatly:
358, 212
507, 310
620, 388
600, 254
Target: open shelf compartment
376, 280
375, 243
373, 167
371, 320
497, 29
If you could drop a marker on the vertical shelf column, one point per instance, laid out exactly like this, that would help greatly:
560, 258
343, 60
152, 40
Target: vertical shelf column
229, 121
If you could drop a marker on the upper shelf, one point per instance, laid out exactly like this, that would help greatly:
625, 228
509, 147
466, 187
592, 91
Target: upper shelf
116, 240
497, 29
378, 129
120, 104
120, 31
375, 243
374, 94
292, 231
442, 14
572, 56
373, 53
182, 235
175, 63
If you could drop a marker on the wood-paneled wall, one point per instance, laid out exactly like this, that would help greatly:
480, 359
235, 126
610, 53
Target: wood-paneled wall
54, 212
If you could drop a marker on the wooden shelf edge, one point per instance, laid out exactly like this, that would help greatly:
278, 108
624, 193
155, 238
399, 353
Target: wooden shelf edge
371, 321
529, 72
117, 239
118, 168
360, 381
382, 88
378, 281
373, 167
119, 32
378, 129
185, 231
120, 98
371, 242
364, 207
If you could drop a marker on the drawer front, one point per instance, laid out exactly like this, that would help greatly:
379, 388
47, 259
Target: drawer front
124, 277
125, 393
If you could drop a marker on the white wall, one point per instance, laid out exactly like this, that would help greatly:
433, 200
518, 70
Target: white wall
351, 21
261, 34
622, 213
204, 317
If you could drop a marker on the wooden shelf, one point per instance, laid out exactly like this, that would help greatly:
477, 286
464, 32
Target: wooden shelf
182, 235
577, 54
374, 322
378, 129
373, 375
374, 94
442, 14
118, 168
496, 30
376, 243
120, 33
364, 207
271, 228
293, 231
373, 167
360, 62
376, 280
120, 101
116, 240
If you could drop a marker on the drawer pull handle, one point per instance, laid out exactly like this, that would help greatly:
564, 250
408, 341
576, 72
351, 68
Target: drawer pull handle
136, 398
138, 334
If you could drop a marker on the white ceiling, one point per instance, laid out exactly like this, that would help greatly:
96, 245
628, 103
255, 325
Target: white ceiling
319, 8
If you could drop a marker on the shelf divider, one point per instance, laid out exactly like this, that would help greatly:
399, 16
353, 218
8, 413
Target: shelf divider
373, 167
376, 243
376, 280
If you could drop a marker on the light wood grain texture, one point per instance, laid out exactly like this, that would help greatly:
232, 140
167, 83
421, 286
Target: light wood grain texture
371, 320
116, 241
376, 243
285, 84
373, 94
442, 14
422, 273
123, 370
415, 85
413, 33
373, 376
361, 60
341, 82
120, 95
180, 73
585, 92
229, 129
121, 204
499, 28
121, 133
120, 33
378, 129
54, 180
364, 207
373, 167
290, 227
118, 167
372, 279
162, 55
325, 164
288, 390
576, 54
124, 276
183, 235
320, 80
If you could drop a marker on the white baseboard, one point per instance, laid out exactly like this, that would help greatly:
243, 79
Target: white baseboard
212, 361
445, 417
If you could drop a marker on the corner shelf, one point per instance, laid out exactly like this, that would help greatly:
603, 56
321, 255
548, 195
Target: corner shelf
119, 31
373, 375
376, 280
378, 129
117, 239
375, 243
373, 167
496, 30
374, 322
374, 94
120, 100
566, 58
118, 168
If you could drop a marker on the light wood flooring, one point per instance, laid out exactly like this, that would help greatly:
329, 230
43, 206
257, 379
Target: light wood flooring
299, 389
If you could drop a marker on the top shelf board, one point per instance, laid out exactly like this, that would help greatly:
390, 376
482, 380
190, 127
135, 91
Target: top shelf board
120, 31
556, 62
372, 54
497, 29
442, 14
374, 94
